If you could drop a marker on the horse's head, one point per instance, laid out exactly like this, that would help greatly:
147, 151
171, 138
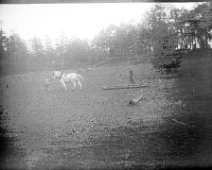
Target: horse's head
56, 74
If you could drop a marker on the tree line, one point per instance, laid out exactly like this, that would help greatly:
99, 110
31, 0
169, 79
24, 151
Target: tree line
164, 32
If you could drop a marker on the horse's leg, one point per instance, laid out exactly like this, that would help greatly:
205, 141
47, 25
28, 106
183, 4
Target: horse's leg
63, 83
80, 84
74, 85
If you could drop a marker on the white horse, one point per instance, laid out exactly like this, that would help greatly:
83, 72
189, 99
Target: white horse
66, 78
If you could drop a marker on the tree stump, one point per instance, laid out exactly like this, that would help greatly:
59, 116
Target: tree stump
131, 77
47, 84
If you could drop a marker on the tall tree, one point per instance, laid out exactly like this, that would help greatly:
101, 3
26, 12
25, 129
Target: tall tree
15, 52
61, 48
159, 32
203, 15
3, 42
16, 49
49, 52
37, 53
78, 51
197, 25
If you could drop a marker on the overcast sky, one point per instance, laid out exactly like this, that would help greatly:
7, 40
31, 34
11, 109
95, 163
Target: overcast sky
81, 20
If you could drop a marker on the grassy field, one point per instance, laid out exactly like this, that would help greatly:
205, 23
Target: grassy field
96, 128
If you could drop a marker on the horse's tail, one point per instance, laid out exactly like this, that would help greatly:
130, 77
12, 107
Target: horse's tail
79, 76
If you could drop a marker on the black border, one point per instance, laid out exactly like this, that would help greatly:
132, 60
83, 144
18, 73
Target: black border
91, 1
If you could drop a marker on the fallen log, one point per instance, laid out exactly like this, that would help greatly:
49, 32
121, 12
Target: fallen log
136, 100
127, 86
178, 122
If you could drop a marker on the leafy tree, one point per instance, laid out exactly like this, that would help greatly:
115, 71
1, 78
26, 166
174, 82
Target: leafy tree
105, 39
203, 15
14, 53
16, 49
197, 25
49, 52
37, 53
160, 35
61, 49
124, 41
77, 51
176, 17
3, 42
37, 47
118, 41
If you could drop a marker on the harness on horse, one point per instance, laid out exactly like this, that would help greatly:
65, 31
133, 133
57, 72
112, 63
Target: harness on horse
61, 75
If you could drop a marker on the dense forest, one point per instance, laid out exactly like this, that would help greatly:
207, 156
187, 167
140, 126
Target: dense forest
164, 33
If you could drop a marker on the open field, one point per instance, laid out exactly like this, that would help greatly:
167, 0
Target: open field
96, 128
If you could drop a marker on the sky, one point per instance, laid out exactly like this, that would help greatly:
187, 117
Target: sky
72, 20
